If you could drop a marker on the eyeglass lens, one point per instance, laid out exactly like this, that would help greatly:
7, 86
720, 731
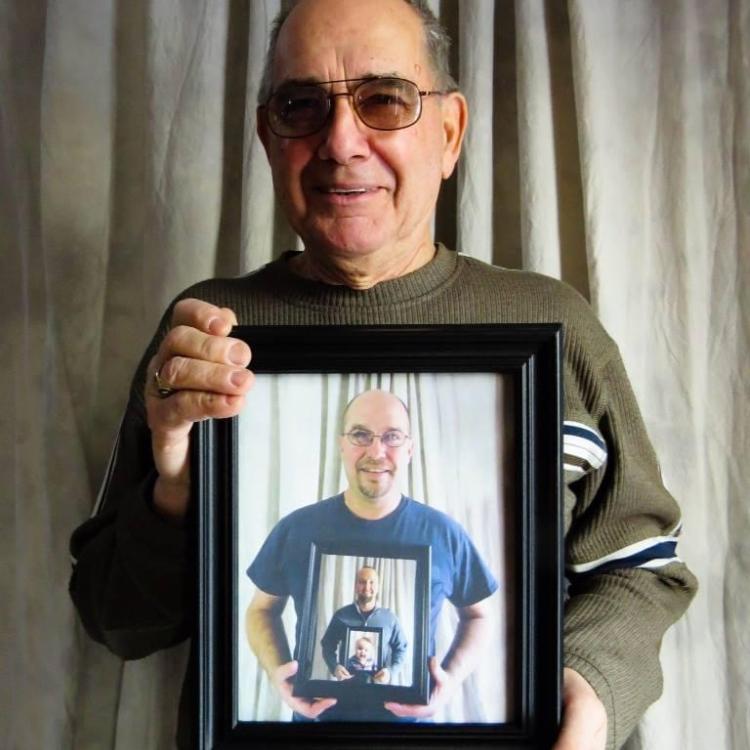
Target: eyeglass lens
381, 103
365, 438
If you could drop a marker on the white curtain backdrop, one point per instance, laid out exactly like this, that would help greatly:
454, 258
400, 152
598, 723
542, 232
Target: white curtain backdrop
609, 146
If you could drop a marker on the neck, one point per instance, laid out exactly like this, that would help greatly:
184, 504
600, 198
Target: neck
371, 509
361, 272
366, 607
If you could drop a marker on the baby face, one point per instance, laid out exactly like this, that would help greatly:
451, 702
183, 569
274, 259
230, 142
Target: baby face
363, 650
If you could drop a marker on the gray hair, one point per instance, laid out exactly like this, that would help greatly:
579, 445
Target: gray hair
436, 38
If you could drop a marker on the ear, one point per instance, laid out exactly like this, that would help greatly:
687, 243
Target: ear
455, 112
261, 127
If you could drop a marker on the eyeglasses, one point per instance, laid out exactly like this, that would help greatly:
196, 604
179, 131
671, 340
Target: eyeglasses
365, 438
297, 110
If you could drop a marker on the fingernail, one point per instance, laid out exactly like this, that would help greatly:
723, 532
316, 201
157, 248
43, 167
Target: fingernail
216, 326
239, 377
238, 354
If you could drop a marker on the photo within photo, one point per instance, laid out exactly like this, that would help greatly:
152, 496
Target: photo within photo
367, 635
319, 455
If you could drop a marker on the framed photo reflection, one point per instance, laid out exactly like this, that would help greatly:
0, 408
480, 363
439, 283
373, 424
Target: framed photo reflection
456, 432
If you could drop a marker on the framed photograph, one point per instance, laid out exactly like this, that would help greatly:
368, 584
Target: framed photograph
363, 652
380, 541
340, 655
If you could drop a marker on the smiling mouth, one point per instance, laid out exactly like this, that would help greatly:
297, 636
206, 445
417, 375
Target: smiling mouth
346, 192
374, 475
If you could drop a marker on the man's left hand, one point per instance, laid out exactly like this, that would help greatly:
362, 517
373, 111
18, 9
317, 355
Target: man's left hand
443, 685
584, 725
383, 677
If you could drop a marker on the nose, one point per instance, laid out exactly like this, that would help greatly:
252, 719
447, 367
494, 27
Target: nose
344, 138
376, 448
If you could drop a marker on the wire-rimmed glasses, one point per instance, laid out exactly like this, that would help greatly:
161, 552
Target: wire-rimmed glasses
364, 438
296, 110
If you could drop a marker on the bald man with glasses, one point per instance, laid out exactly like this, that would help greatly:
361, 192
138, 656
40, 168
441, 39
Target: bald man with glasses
375, 447
361, 122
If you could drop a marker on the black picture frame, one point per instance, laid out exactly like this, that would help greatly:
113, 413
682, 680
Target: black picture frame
311, 684
529, 356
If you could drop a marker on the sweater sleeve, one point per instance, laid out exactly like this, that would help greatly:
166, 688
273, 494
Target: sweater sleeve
626, 583
330, 643
130, 579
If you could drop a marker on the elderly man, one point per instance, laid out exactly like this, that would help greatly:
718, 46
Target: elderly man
376, 448
364, 610
360, 122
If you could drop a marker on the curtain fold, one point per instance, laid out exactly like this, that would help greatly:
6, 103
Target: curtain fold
609, 146
664, 172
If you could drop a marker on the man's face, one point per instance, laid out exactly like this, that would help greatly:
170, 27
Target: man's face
374, 470
366, 587
397, 173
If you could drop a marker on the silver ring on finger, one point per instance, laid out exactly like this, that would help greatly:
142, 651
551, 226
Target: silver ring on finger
163, 389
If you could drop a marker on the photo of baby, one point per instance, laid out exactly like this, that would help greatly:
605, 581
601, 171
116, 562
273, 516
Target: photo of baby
363, 649
361, 664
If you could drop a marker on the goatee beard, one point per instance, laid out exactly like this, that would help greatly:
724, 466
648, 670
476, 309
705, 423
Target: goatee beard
373, 492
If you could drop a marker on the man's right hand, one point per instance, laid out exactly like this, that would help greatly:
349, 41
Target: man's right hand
207, 370
310, 708
341, 673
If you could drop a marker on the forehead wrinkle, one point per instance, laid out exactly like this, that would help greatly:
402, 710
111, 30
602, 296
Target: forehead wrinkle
315, 81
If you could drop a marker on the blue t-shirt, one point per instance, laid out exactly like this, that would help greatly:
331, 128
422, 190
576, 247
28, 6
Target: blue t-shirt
457, 572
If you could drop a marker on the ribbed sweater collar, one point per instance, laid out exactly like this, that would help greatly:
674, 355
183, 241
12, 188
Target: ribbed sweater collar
428, 279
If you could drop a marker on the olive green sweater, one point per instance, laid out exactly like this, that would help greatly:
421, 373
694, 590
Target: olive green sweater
130, 580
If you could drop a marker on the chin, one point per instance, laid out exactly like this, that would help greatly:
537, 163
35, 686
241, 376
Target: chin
348, 241
371, 494
374, 493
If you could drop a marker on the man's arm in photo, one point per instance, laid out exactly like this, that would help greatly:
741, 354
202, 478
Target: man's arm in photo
330, 644
268, 641
471, 635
